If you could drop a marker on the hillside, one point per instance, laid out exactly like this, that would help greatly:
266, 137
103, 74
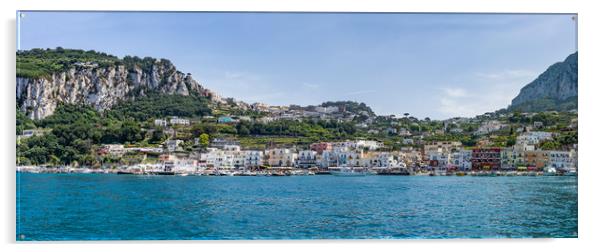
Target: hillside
351, 106
50, 77
554, 89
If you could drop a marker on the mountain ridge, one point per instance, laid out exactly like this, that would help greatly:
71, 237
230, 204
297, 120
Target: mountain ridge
554, 89
49, 77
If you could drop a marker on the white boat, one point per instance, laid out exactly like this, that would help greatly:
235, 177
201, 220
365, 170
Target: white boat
571, 172
348, 171
549, 171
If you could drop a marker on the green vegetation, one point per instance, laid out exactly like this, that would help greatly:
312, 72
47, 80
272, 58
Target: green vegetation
204, 140
466, 139
546, 104
42, 63
564, 140
145, 63
319, 130
76, 131
261, 142
23, 122
155, 105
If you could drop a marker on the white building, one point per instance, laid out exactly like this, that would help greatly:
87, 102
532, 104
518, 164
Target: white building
231, 157
179, 121
144, 149
562, 159
533, 137
461, 159
442, 146
359, 144
281, 157
514, 157
404, 132
381, 159
339, 155
231, 147
253, 159
260, 107
114, 149
31, 132
217, 159
439, 159
348, 158
327, 110
179, 164
440, 153
524, 146
160, 122
172, 145
307, 159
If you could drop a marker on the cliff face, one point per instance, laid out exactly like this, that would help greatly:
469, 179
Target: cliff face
558, 84
101, 87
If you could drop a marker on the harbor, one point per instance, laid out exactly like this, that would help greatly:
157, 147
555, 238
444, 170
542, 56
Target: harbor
289, 171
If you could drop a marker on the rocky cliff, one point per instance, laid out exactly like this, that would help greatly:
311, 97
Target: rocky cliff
554, 89
99, 85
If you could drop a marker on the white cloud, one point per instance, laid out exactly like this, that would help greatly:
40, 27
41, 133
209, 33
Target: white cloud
490, 92
455, 92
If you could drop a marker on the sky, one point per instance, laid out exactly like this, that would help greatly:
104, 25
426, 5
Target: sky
428, 65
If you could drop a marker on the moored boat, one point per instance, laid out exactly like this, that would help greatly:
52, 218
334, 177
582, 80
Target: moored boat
549, 171
570, 172
348, 171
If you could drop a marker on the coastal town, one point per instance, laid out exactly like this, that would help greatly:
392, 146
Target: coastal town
415, 154
163, 122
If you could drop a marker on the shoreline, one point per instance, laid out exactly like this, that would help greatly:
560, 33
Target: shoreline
281, 171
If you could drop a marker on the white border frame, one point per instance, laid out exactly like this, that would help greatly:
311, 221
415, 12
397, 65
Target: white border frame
589, 78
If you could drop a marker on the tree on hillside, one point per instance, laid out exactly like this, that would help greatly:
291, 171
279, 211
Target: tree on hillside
204, 140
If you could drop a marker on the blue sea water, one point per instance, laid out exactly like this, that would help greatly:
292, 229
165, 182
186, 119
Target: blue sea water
118, 207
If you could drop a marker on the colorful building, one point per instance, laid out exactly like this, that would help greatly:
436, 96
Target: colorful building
486, 158
537, 159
